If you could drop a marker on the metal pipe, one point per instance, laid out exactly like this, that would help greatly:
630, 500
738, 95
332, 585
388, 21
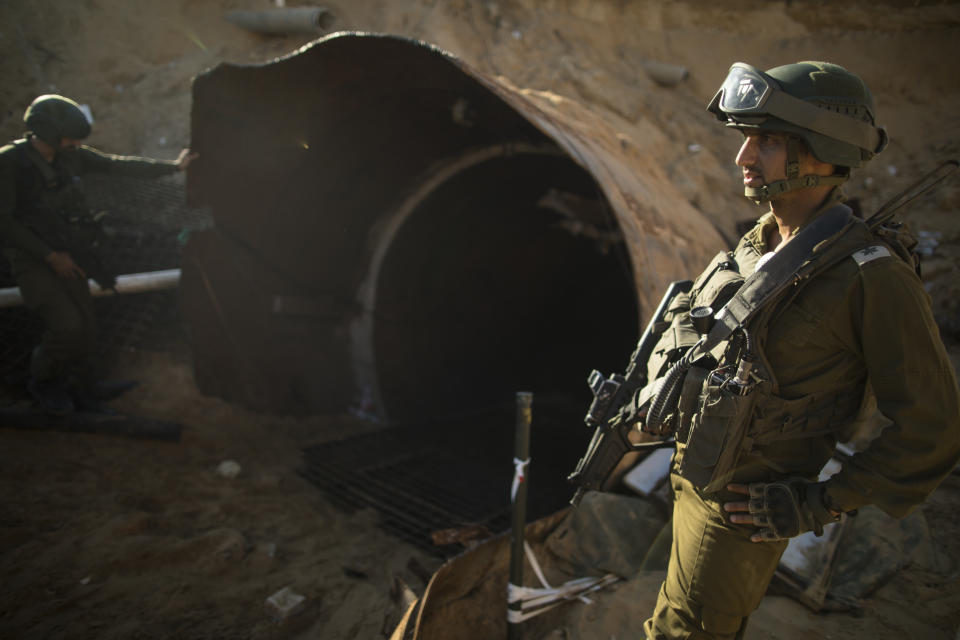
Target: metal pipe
285, 21
521, 461
665, 74
131, 283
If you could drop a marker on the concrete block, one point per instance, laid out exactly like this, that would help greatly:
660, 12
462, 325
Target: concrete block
284, 604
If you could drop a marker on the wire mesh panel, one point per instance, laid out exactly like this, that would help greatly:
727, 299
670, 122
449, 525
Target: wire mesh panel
415, 481
450, 474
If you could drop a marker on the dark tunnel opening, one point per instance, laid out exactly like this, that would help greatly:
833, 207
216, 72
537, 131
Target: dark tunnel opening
511, 275
425, 242
508, 274
502, 271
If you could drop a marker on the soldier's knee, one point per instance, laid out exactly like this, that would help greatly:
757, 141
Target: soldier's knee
720, 624
678, 615
69, 330
682, 622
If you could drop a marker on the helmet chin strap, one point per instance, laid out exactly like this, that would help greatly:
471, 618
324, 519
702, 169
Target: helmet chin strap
794, 180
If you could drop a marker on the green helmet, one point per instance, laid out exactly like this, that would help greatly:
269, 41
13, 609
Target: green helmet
52, 117
823, 104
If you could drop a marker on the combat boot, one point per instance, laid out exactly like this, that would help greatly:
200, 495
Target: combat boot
51, 396
90, 397
89, 392
106, 390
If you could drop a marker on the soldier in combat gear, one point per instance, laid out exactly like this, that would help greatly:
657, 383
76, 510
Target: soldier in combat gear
757, 414
44, 229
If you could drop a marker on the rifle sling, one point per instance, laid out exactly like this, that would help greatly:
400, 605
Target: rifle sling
782, 270
46, 170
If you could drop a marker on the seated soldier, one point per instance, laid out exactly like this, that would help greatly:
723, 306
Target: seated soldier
41, 212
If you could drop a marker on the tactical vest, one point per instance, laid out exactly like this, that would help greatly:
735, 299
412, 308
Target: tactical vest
51, 203
50, 198
714, 422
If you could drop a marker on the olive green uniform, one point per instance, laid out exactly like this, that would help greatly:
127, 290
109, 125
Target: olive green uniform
864, 319
64, 304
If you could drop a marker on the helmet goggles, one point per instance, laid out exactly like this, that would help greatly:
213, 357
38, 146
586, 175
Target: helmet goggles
749, 96
745, 91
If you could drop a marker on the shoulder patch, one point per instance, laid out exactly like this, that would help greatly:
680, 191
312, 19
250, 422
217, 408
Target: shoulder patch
870, 253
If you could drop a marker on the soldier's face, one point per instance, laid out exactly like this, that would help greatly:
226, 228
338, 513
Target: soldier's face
68, 144
763, 158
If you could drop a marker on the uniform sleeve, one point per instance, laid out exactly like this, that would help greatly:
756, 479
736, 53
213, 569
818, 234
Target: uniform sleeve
93, 161
12, 232
916, 389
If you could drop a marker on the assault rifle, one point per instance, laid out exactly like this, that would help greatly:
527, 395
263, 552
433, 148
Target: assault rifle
610, 437
610, 442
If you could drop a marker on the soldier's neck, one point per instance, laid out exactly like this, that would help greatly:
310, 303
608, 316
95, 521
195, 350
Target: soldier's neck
792, 211
46, 151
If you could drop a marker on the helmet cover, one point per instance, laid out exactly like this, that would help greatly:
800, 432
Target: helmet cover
828, 107
51, 118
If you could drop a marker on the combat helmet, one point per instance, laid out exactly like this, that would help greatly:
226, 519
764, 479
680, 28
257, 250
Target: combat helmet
51, 117
827, 107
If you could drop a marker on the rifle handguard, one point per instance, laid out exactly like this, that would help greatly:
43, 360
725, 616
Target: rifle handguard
615, 404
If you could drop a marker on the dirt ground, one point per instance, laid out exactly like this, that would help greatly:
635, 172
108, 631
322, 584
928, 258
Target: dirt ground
112, 538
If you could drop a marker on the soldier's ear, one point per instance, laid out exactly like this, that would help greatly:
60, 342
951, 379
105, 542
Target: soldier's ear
812, 163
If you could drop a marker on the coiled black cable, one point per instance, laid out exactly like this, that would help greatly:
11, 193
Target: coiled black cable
668, 393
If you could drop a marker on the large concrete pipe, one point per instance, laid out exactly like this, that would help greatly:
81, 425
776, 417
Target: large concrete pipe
399, 234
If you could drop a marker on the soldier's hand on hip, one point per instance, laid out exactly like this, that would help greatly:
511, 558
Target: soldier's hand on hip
63, 265
781, 509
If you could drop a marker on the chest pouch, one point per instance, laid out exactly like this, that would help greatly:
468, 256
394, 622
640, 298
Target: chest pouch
676, 338
717, 284
707, 455
689, 404
713, 288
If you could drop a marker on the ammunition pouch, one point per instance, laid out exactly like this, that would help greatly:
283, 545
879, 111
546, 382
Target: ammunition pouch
717, 284
720, 417
689, 404
675, 339
716, 425
713, 288
714, 434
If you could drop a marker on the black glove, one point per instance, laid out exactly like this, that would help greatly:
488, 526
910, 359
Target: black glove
787, 508
630, 412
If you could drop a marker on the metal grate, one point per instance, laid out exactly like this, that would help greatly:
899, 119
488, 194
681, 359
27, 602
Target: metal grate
417, 484
425, 478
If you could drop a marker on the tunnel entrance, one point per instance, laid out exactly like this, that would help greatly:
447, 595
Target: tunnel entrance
424, 241
510, 275
503, 271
